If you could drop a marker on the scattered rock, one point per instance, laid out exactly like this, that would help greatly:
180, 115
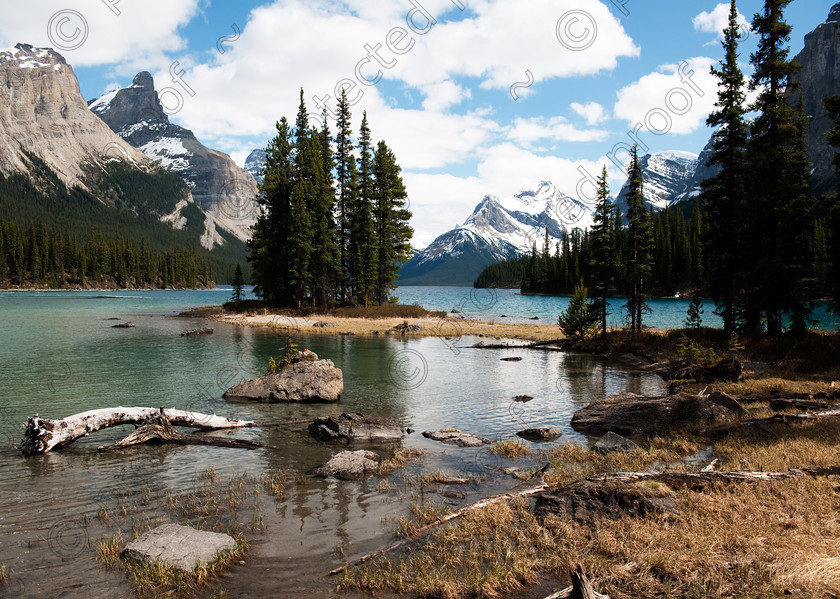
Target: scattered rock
456, 437
123, 325
516, 359
324, 325
540, 434
350, 465
197, 332
503, 316
523, 398
456, 495
614, 443
404, 328
728, 402
535, 318
408, 431
356, 428
586, 501
112, 318
306, 381
450, 480
178, 546
630, 414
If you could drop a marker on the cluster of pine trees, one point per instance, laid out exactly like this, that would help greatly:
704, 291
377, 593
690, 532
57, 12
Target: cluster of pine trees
40, 255
759, 243
333, 226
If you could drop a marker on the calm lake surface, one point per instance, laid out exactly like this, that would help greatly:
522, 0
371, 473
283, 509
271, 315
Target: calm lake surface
59, 355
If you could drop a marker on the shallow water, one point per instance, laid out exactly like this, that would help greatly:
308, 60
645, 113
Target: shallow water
59, 355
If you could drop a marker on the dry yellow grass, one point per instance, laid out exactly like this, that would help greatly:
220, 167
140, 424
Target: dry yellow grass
765, 385
510, 448
432, 327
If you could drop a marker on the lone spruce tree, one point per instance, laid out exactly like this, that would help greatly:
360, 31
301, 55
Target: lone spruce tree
603, 251
832, 106
639, 244
781, 280
725, 194
363, 244
238, 282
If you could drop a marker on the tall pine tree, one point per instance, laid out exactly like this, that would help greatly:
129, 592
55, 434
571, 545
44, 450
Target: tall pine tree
832, 106
640, 244
345, 171
603, 251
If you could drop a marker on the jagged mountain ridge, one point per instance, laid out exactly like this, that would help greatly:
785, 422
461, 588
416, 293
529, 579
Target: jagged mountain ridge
43, 112
498, 228
666, 178
255, 164
222, 189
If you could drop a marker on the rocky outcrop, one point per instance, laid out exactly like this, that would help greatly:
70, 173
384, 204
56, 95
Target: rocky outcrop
727, 370
43, 112
356, 428
255, 164
586, 501
818, 79
308, 381
540, 434
350, 465
456, 437
222, 189
181, 547
614, 443
630, 414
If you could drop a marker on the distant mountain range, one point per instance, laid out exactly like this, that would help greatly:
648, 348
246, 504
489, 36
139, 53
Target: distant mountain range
499, 229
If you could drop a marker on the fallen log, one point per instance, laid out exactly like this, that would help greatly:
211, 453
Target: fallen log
762, 423
42, 435
448, 517
702, 479
160, 430
581, 587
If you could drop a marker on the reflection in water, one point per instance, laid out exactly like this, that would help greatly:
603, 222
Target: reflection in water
50, 505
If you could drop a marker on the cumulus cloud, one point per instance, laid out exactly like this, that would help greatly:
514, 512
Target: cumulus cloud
531, 131
717, 20
592, 112
676, 99
129, 35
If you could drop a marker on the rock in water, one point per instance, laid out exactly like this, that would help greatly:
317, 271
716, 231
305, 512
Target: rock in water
350, 465
540, 434
356, 428
178, 546
456, 437
630, 414
613, 443
308, 381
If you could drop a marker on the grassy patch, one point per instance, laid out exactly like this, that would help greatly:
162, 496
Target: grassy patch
4, 575
401, 457
510, 449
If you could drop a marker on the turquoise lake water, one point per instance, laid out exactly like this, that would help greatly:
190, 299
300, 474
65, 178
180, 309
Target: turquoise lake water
59, 355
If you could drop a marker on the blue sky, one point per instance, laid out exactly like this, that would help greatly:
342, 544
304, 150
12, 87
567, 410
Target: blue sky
475, 96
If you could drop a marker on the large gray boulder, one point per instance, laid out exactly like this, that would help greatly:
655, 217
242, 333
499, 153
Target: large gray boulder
456, 437
356, 428
350, 465
178, 546
613, 443
541, 434
630, 414
307, 381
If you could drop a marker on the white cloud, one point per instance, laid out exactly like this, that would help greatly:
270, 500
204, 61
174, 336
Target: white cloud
443, 95
133, 35
530, 131
675, 99
717, 20
593, 112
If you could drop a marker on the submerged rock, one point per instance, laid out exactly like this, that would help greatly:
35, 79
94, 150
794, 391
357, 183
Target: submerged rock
350, 465
586, 501
540, 434
614, 443
307, 381
516, 359
178, 546
356, 428
456, 437
630, 414
195, 332
123, 325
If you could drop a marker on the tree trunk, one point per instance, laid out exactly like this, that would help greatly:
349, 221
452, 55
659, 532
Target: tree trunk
581, 587
45, 434
702, 479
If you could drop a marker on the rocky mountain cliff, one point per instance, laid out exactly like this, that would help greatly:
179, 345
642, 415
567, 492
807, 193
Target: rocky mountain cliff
497, 229
255, 163
666, 176
222, 189
43, 112
818, 79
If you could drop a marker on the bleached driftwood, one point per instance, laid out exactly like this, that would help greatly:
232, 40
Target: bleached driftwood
529, 492
581, 587
45, 434
700, 479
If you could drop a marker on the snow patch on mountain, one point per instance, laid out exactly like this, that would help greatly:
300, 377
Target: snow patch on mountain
665, 176
169, 152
